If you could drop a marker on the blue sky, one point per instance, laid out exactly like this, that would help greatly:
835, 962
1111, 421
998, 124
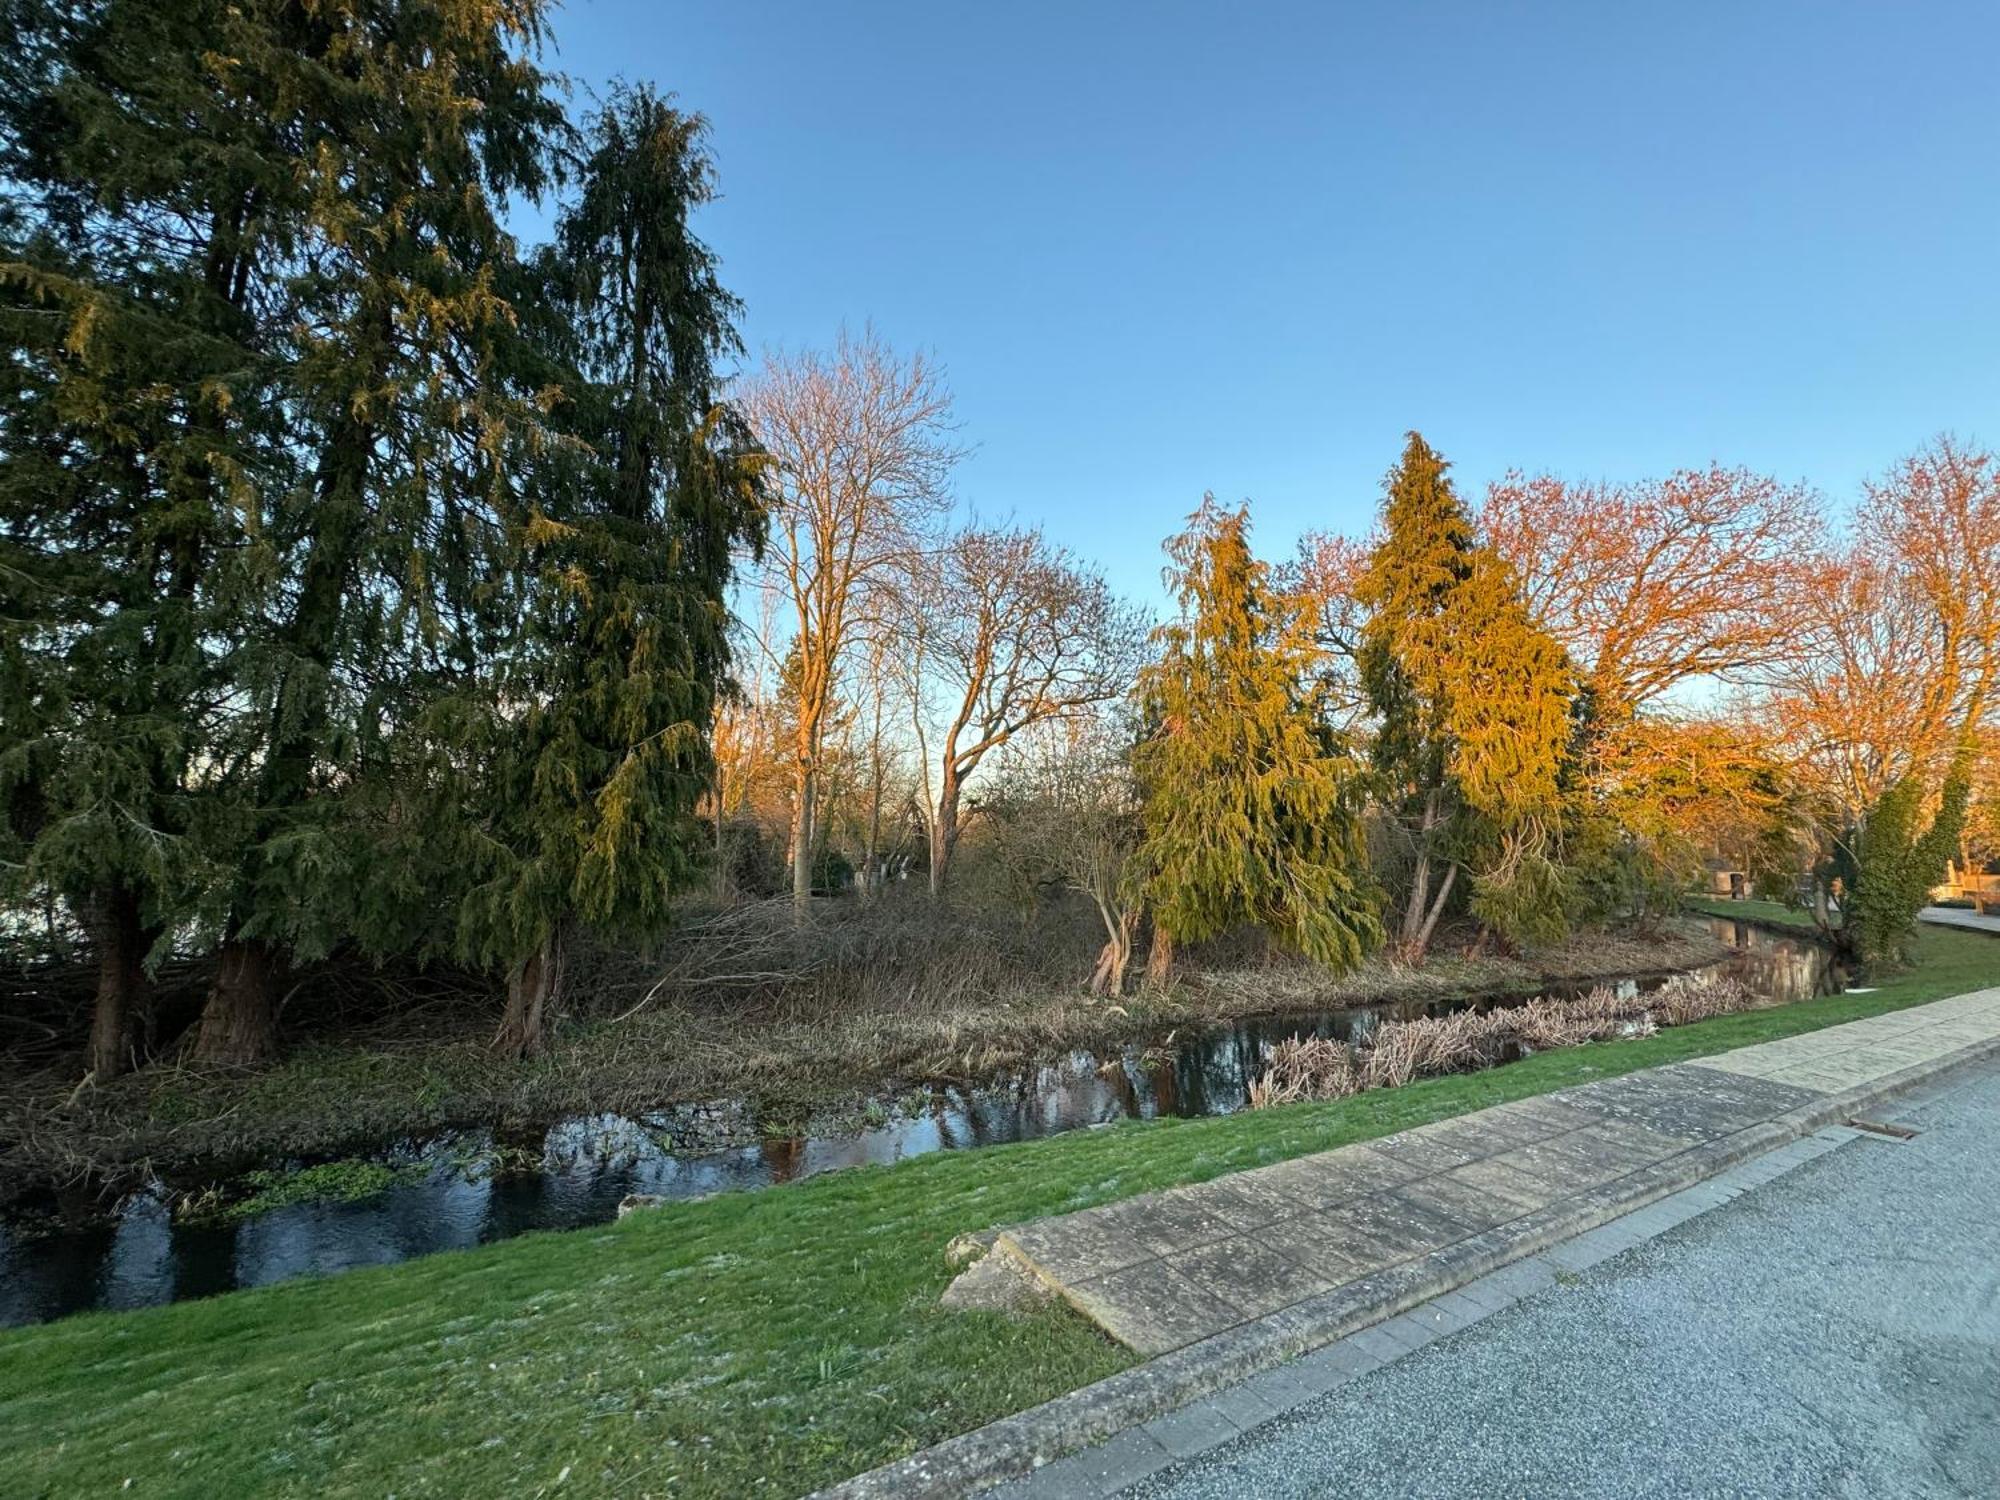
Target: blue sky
1170, 248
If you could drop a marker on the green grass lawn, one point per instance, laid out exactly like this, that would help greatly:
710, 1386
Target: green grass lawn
756, 1343
1771, 913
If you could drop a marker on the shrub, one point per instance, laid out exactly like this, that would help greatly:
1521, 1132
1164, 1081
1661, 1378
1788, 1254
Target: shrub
1306, 1067
1465, 1041
1427, 1047
1695, 997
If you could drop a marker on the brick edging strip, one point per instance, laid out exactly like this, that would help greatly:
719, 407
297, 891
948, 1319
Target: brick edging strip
1017, 1445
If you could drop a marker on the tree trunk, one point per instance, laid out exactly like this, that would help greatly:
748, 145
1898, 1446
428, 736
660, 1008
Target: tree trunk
1415, 931
121, 948
240, 1022
533, 986
1416, 906
1437, 910
944, 829
1108, 978
721, 842
802, 841
871, 858
1160, 957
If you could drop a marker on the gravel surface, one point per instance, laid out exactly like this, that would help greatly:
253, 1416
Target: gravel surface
1835, 1332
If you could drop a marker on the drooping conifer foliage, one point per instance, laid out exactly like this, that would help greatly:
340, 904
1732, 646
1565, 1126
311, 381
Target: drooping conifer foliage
1251, 801
362, 578
626, 524
1473, 706
1897, 857
411, 124
142, 436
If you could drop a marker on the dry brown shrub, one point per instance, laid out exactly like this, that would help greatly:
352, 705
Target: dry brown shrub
1695, 997
1547, 1023
901, 953
1464, 1041
1456, 1042
1389, 1059
1306, 1067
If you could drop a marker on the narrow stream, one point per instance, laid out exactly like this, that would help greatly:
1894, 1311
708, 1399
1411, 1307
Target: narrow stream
450, 1195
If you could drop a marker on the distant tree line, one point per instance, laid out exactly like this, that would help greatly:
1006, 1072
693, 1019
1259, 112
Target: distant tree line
1553, 710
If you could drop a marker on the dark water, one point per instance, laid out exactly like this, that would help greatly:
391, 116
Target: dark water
451, 1196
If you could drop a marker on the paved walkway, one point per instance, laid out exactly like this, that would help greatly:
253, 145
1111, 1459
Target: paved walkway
1292, 1277
1833, 1329
1958, 916
1169, 1269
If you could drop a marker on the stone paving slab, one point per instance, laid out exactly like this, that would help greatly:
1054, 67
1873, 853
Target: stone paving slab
1209, 1423
1169, 1269
1166, 1270
1227, 1279
1958, 916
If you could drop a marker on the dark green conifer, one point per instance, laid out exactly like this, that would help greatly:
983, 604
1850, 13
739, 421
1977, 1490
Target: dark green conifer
138, 427
408, 124
627, 531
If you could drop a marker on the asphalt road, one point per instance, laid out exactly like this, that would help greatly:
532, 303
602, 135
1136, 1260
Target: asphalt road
1835, 1332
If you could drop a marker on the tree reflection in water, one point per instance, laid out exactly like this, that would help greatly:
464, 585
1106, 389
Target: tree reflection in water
575, 1171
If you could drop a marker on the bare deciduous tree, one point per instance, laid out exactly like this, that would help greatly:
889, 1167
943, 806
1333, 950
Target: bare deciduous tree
1322, 582
1010, 632
1647, 585
1899, 650
862, 450
1071, 817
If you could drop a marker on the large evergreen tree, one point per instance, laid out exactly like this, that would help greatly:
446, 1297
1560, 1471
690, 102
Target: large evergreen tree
626, 531
137, 424
1251, 802
255, 476
408, 122
1473, 708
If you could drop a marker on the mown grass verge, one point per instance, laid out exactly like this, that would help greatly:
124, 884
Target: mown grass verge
756, 1343
1768, 913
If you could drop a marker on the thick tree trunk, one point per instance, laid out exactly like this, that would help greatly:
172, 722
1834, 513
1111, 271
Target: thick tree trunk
533, 986
944, 829
240, 1022
121, 948
1160, 956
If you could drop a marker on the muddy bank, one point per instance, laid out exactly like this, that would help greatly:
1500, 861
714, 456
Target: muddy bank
797, 1064
181, 1234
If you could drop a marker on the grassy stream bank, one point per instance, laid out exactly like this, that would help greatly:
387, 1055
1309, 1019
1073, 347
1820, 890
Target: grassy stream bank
755, 1343
796, 1060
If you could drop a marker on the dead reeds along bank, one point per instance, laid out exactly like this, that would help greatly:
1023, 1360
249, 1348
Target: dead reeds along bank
1464, 1041
737, 1002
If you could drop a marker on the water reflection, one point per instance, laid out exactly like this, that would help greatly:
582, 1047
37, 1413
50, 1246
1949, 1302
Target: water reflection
1783, 969
586, 1164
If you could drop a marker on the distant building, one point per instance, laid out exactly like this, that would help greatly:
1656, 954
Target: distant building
1729, 885
1974, 886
